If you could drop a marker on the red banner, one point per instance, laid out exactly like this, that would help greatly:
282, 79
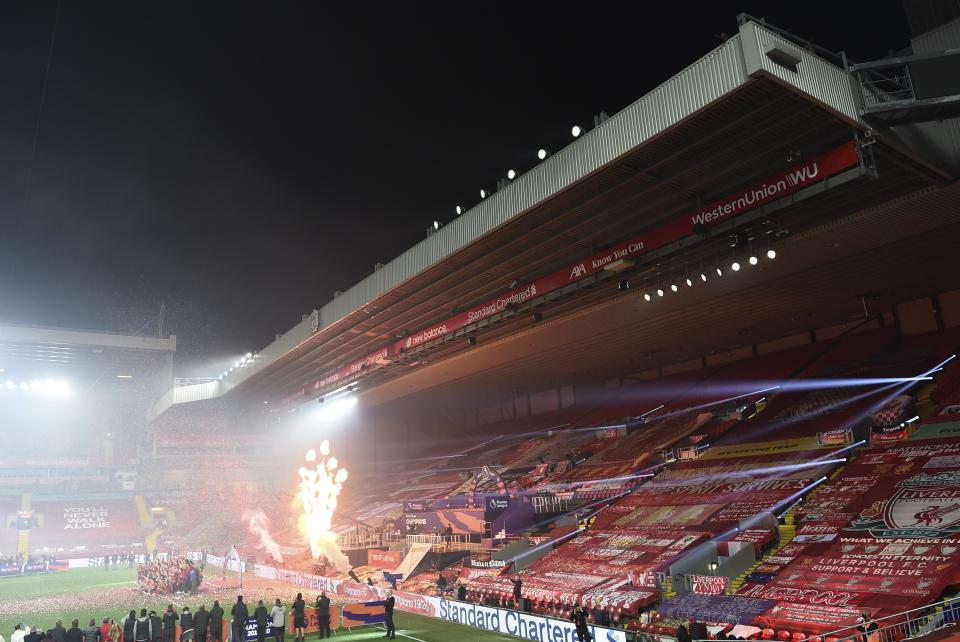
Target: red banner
801, 596
708, 585
818, 618
786, 182
387, 560
904, 582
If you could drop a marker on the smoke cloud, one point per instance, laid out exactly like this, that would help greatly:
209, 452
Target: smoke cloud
258, 524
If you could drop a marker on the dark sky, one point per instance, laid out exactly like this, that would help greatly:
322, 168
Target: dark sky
240, 164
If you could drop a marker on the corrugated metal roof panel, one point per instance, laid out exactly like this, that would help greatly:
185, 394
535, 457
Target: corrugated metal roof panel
702, 83
706, 80
828, 84
946, 36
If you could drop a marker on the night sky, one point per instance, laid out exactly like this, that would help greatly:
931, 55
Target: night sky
241, 164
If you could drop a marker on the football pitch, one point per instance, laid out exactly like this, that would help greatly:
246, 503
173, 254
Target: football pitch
96, 593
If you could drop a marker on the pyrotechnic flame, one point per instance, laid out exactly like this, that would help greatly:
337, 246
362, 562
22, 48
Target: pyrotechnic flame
319, 489
258, 523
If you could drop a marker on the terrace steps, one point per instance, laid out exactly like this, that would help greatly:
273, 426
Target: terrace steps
787, 531
23, 536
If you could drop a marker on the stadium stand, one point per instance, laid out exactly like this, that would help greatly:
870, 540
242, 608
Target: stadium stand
737, 492
80, 523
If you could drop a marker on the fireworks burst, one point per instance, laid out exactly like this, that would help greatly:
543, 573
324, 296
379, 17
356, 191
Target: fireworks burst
319, 489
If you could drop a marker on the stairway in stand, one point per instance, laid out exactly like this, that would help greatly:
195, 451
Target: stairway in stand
788, 530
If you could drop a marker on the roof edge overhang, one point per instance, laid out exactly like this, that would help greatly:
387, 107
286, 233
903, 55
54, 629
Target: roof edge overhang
730, 66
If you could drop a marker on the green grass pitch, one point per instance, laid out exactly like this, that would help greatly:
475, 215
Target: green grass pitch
97, 593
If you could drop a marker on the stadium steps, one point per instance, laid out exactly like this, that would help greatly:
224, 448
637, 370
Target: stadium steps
787, 531
667, 589
146, 521
23, 536
152, 538
924, 402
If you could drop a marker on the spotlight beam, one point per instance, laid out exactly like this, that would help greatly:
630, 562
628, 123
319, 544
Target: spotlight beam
759, 473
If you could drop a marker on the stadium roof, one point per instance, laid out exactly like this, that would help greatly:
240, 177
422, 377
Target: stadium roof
739, 115
94, 362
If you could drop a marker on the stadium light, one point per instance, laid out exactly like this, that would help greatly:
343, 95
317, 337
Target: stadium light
771, 253
337, 408
576, 130
703, 277
24, 385
735, 266
673, 286
11, 385
646, 297
124, 376
542, 153
659, 292
436, 225
511, 174
483, 193
719, 271
689, 282
459, 210
753, 260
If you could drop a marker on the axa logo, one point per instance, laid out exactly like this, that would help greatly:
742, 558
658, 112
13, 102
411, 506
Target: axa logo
578, 270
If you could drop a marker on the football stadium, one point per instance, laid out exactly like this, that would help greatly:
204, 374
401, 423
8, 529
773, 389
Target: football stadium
691, 375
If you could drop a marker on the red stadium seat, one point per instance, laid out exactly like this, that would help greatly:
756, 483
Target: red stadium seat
784, 635
768, 634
